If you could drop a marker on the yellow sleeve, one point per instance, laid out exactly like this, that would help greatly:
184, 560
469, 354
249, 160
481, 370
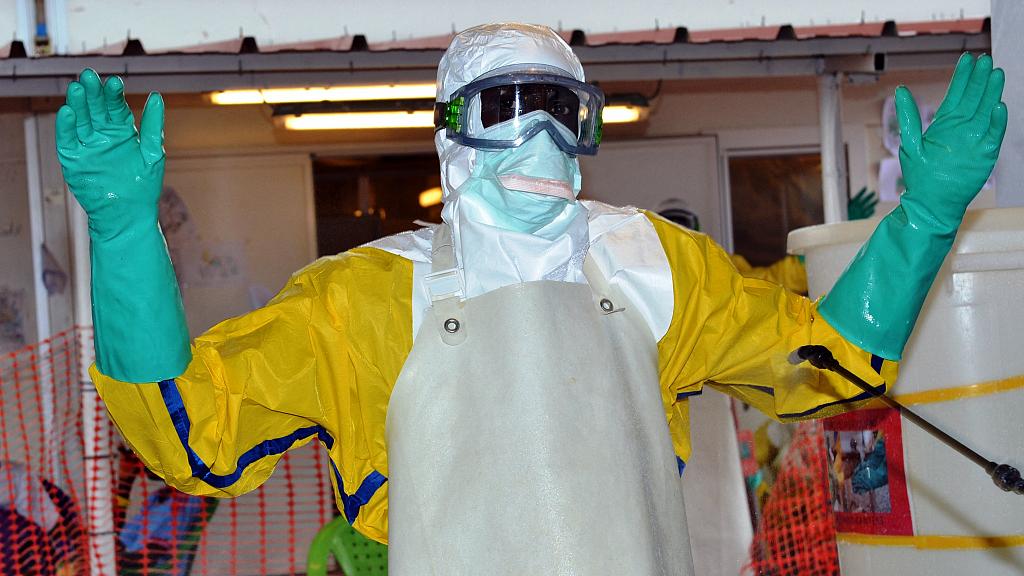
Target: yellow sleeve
737, 335
317, 362
247, 396
789, 272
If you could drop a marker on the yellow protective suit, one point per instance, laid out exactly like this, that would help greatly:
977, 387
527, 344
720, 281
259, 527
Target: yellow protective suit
320, 360
789, 272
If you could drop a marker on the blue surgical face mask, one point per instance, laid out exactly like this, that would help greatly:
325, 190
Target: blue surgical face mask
524, 188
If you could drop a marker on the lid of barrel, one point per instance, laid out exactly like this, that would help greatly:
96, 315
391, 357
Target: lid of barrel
991, 230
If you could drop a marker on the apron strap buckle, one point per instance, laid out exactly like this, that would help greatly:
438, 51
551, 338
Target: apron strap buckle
445, 284
446, 289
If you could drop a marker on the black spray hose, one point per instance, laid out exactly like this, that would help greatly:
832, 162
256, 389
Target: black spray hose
1005, 476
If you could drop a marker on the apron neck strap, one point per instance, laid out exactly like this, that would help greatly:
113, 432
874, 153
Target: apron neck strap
597, 280
442, 251
445, 281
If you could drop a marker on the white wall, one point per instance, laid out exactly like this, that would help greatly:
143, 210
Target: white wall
660, 170
162, 24
17, 293
17, 300
244, 225
8, 21
715, 492
1006, 49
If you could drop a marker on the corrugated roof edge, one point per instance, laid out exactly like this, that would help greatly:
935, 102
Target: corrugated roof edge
575, 38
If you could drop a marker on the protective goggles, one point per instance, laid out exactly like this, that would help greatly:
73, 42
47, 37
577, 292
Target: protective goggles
572, 111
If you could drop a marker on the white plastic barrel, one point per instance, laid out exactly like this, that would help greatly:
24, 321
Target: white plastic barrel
963, 369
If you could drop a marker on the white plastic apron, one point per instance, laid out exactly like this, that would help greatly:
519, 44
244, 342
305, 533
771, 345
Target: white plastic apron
526, 435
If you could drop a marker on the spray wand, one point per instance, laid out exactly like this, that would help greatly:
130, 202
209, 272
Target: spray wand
1005, 476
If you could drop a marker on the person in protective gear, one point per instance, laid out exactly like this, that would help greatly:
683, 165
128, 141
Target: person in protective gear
872, 473
505, 392
788, 271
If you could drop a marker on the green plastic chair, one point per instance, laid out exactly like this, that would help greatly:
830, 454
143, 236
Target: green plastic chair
356, 554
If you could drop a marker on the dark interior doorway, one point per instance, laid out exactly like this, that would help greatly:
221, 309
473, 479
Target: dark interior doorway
771, 195
361, 199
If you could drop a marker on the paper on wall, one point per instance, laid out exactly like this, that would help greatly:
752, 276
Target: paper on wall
890, 180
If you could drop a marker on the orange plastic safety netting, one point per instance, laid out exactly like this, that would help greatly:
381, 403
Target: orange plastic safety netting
74, 500
796, 531
42, 465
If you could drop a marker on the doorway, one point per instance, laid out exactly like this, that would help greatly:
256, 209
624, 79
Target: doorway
772, 193
361, 199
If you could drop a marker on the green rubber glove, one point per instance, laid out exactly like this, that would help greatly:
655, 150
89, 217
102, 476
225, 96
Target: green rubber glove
861, 206
116, 173
876, 301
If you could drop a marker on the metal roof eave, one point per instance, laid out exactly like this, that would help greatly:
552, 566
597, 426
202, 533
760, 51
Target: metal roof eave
202, 72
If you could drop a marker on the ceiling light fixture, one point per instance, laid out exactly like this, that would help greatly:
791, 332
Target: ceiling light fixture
325, 94
621, 114
623, 108
360, 120
431, 197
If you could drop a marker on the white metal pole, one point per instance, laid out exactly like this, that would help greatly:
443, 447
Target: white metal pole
37, 232
25, 13
99, 477
833, 158
57, 25
47, 390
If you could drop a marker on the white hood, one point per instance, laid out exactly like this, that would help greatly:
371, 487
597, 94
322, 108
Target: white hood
489, 256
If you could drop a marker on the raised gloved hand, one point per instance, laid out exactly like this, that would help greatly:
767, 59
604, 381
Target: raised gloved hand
945, 168
862, 205
875, 303
116, 174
